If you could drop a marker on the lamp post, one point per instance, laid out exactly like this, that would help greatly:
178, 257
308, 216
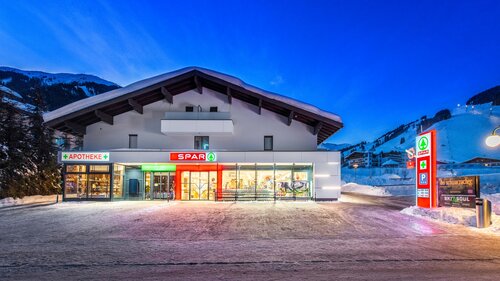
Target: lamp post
355, 166
494, 139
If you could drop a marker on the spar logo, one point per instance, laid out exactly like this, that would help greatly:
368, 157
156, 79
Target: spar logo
423, 146
193, 156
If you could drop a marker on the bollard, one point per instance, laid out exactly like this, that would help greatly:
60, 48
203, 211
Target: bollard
483, 213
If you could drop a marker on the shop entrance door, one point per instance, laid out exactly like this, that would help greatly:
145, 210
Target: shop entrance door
163, 185
199, 185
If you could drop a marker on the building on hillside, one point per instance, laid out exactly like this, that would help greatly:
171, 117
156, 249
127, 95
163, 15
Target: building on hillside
483, 161
196, 134
392, 156
363, 159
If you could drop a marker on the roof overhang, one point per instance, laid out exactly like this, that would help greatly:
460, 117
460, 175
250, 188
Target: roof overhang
75, 117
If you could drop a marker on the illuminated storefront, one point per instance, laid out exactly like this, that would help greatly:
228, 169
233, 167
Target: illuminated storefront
194, 180
197, 135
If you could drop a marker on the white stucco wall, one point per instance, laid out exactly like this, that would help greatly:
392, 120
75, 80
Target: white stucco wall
249, 127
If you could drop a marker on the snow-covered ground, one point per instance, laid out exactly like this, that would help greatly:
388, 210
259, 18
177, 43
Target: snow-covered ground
362, 239
461, 216
395, 190
35, 199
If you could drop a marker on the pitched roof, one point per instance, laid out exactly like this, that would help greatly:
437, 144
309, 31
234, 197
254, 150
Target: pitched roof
75, 116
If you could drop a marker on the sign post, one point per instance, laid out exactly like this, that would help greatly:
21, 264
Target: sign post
426, 195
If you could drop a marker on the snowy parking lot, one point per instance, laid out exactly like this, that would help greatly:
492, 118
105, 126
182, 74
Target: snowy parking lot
359, 237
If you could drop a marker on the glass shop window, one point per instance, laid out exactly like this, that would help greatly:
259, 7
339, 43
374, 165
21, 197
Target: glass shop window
75, 186
76, 169
99, 168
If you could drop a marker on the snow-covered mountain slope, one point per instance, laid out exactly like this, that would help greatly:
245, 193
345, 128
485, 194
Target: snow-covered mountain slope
57, 89
459, 138
333, 146
10, 92
58, 78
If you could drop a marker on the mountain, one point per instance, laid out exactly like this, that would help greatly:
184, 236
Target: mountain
15, 99
491, 95
460, 132
58, 89
333, 146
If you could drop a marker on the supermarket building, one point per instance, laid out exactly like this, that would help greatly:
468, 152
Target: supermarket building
197, 134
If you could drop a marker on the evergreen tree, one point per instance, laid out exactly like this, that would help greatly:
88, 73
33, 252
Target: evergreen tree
15, 167
46, 177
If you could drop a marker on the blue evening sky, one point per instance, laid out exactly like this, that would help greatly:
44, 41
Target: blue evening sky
377, 64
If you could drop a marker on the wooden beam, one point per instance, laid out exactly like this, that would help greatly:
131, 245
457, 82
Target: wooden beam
260, 106
229, 97
77, 128
106, 118
168, 96
290, 118
199, 87
317, 128
135, 105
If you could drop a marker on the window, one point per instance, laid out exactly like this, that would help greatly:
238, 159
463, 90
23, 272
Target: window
213, 109
189, 109
201, 142
132, 141
268, 142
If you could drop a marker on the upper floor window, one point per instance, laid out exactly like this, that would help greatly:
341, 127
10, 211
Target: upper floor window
189, 109
213, 109
201, 142
132, 141
268, 142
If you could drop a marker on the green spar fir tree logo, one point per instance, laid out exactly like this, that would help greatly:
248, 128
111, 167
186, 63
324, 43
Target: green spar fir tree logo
423, 143
210, 157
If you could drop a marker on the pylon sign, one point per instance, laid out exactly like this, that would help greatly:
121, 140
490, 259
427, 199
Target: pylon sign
426, 170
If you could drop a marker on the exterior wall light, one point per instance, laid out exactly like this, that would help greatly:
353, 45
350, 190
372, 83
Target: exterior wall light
494, 139
321, 176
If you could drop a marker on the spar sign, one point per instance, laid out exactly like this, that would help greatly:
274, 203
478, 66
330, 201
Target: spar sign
193, 156
85, 156
426, 170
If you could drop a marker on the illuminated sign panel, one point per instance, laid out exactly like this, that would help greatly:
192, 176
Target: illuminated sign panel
85, 156
459, 191
158, 168
425, 163
193, 156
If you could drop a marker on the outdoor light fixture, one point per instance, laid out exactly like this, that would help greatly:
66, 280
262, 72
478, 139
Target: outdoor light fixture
321, 176
494, 139
333, 163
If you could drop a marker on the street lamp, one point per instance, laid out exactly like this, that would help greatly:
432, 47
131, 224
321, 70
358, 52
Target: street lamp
494, 139
355, 166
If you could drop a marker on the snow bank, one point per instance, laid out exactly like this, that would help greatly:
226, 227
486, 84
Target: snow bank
495, 201
35, 199
459, 216
395, 190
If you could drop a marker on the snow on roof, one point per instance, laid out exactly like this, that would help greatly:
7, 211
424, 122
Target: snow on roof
9, 91
88, 102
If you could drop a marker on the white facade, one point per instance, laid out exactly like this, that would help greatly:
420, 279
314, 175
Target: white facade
195, 134
247, 135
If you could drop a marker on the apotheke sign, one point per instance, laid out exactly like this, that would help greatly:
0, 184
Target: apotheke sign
193, 156
85, 156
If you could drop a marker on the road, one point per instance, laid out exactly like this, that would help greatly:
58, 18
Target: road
360, 237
